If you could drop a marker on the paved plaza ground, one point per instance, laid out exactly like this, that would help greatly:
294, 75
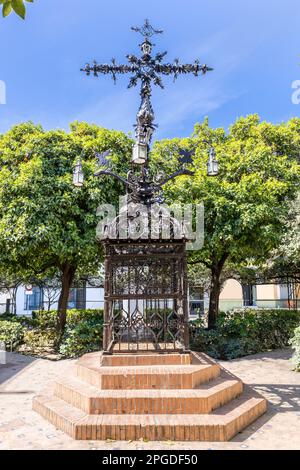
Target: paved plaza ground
269, 373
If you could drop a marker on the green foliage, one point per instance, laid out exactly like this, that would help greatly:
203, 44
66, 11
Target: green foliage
45, 318
245, 332
24, 320
54, 222
295, 343
83, 332
245, 203
286, 259
83, 337
38, 340
11, 333
48, 319
8, 317
18, 6
153, 311
74, 316
38, 335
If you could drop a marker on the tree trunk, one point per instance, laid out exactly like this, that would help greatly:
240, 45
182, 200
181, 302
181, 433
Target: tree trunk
67, 277
49, 303
215, 290
14, 299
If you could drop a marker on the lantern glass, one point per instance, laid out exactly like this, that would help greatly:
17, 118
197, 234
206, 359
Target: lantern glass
213, 168
212, 165
139, 153
146, 47
78, 176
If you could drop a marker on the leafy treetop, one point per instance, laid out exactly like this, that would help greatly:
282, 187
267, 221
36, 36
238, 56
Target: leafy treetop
246, 203
47, 224
18, 6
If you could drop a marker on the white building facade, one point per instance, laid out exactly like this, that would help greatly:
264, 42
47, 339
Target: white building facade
35, 298
26, 300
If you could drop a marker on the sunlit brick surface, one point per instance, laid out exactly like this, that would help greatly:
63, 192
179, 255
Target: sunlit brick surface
150, 396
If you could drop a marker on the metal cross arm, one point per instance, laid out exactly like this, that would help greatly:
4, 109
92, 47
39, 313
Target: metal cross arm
146, 69
106, 69
176, 69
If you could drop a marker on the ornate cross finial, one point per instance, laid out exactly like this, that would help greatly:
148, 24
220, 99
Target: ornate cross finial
148, 70
147, 30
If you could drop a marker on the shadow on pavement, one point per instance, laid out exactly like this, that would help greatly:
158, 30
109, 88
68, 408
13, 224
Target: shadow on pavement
14, 365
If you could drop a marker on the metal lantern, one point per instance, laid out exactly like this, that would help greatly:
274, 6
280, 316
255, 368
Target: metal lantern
212, 165
78, 176
139, 153
146, 47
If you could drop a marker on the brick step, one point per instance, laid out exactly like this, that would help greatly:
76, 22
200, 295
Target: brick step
144, 377
185, 401
138, 377
146, 359
220, 425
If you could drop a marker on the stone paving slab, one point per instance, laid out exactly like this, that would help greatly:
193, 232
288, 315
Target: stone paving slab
269, 373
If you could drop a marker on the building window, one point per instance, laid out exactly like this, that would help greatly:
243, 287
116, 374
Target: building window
196, 301
34, 301
248, 295
77, 298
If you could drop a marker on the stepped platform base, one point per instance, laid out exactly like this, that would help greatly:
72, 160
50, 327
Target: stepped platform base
183, 397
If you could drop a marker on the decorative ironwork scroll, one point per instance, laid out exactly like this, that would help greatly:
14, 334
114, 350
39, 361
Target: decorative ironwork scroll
145, 297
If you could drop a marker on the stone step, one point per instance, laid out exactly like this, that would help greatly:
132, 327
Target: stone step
163, 376
220, 425
146, 359
199, 400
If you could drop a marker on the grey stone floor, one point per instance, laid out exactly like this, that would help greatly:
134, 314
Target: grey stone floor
269, 373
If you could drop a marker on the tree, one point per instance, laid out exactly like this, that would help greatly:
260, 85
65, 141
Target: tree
18, 6
47, 224
244, 205
51, 290
9, 284
290, 247
284, 263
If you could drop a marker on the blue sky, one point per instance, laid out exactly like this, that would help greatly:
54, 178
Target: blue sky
254, 47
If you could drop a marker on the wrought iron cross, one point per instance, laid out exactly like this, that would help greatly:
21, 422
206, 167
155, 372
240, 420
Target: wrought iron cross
146, 69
